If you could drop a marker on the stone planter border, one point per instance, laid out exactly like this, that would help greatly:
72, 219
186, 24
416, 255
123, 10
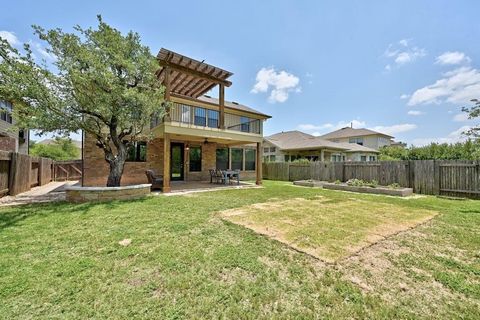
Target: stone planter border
79, 194
400, 192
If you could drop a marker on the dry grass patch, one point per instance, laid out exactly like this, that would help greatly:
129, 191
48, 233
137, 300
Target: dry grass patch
327, 229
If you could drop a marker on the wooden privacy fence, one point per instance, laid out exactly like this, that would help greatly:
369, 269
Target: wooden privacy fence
20, 172
435, 177
67, 170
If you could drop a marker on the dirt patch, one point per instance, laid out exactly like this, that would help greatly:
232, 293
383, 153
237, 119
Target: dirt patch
327, 230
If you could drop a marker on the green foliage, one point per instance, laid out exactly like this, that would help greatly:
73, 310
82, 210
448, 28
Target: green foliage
301, 160
104, 84
60, 149
473, 113
337, 181
362, 183
468, 150
394, 185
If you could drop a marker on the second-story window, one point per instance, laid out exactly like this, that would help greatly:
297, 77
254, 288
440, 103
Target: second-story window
185, 114
200, 117
357, 140
245, 124
6, 111
212, 118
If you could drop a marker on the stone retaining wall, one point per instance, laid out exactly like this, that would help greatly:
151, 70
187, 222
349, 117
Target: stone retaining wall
86, 194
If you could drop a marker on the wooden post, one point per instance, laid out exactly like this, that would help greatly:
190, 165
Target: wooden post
436, 177
166, 163
221, 103
258, 166
167, 84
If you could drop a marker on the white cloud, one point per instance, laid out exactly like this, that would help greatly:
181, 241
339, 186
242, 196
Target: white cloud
448, 58
403, 53
395, 129
10, 37
461, 117
43, 52
452, 137
321, 129
281, 84
415, 113
458, 86
404, 96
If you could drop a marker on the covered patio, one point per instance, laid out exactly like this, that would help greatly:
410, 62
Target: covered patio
186, 187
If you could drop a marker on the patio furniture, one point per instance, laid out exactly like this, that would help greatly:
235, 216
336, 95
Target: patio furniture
155, 180
230, 175
219, 176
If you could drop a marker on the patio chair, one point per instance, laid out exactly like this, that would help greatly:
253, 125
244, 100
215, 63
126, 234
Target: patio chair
155, 180
212, 175
235, 175
220, 176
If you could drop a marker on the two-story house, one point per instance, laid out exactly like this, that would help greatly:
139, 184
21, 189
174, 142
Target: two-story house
364, 137
197, 134
292, 145
11, 139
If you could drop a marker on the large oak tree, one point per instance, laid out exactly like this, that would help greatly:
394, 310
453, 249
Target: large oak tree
101, 82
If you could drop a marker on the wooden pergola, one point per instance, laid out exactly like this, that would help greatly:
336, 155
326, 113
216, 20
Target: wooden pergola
188, 77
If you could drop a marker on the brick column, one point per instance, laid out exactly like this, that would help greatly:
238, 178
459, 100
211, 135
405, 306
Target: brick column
166, 163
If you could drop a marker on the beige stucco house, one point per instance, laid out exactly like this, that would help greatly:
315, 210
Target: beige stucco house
197, 134
11, 139
292, 145
364, 137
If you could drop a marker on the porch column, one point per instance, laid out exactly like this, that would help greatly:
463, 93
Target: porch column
221, 105
258, 166
166, 163
322, 155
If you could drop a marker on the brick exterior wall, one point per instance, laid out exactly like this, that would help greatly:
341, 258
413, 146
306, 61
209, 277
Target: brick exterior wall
8, 144
96, 168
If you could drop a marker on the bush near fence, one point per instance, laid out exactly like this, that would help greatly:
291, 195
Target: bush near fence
433, 177
20, 172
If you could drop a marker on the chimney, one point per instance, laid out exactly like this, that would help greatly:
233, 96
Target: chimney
351, 124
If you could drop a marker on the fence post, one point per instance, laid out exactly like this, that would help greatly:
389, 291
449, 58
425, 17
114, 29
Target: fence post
13, 169
436, 177
288, 171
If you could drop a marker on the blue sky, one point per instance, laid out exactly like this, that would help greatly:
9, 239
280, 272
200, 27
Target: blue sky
402, 67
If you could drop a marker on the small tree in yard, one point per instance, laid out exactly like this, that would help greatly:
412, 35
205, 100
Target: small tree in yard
473, 112
104, 83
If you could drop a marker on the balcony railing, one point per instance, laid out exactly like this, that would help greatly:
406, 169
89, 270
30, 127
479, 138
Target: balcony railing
209, 118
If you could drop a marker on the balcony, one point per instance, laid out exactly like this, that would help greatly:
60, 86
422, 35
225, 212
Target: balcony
208, 118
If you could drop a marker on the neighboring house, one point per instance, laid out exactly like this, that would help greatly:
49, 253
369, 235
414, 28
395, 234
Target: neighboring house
293, 145
364, 137
11, 139
199, 132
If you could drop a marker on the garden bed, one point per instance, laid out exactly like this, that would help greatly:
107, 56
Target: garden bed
399, 192
360, 186
310, 183
85, 194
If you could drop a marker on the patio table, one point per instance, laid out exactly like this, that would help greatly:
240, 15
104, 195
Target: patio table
229, 174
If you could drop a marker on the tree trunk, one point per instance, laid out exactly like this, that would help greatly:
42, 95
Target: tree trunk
116, 171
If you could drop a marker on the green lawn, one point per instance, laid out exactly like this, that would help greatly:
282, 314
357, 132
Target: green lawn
184, 261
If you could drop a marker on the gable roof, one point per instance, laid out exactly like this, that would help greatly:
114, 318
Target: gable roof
348, 132
297, 140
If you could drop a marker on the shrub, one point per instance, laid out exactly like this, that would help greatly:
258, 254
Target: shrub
337, 181
356, 182
394, 186
373, 184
